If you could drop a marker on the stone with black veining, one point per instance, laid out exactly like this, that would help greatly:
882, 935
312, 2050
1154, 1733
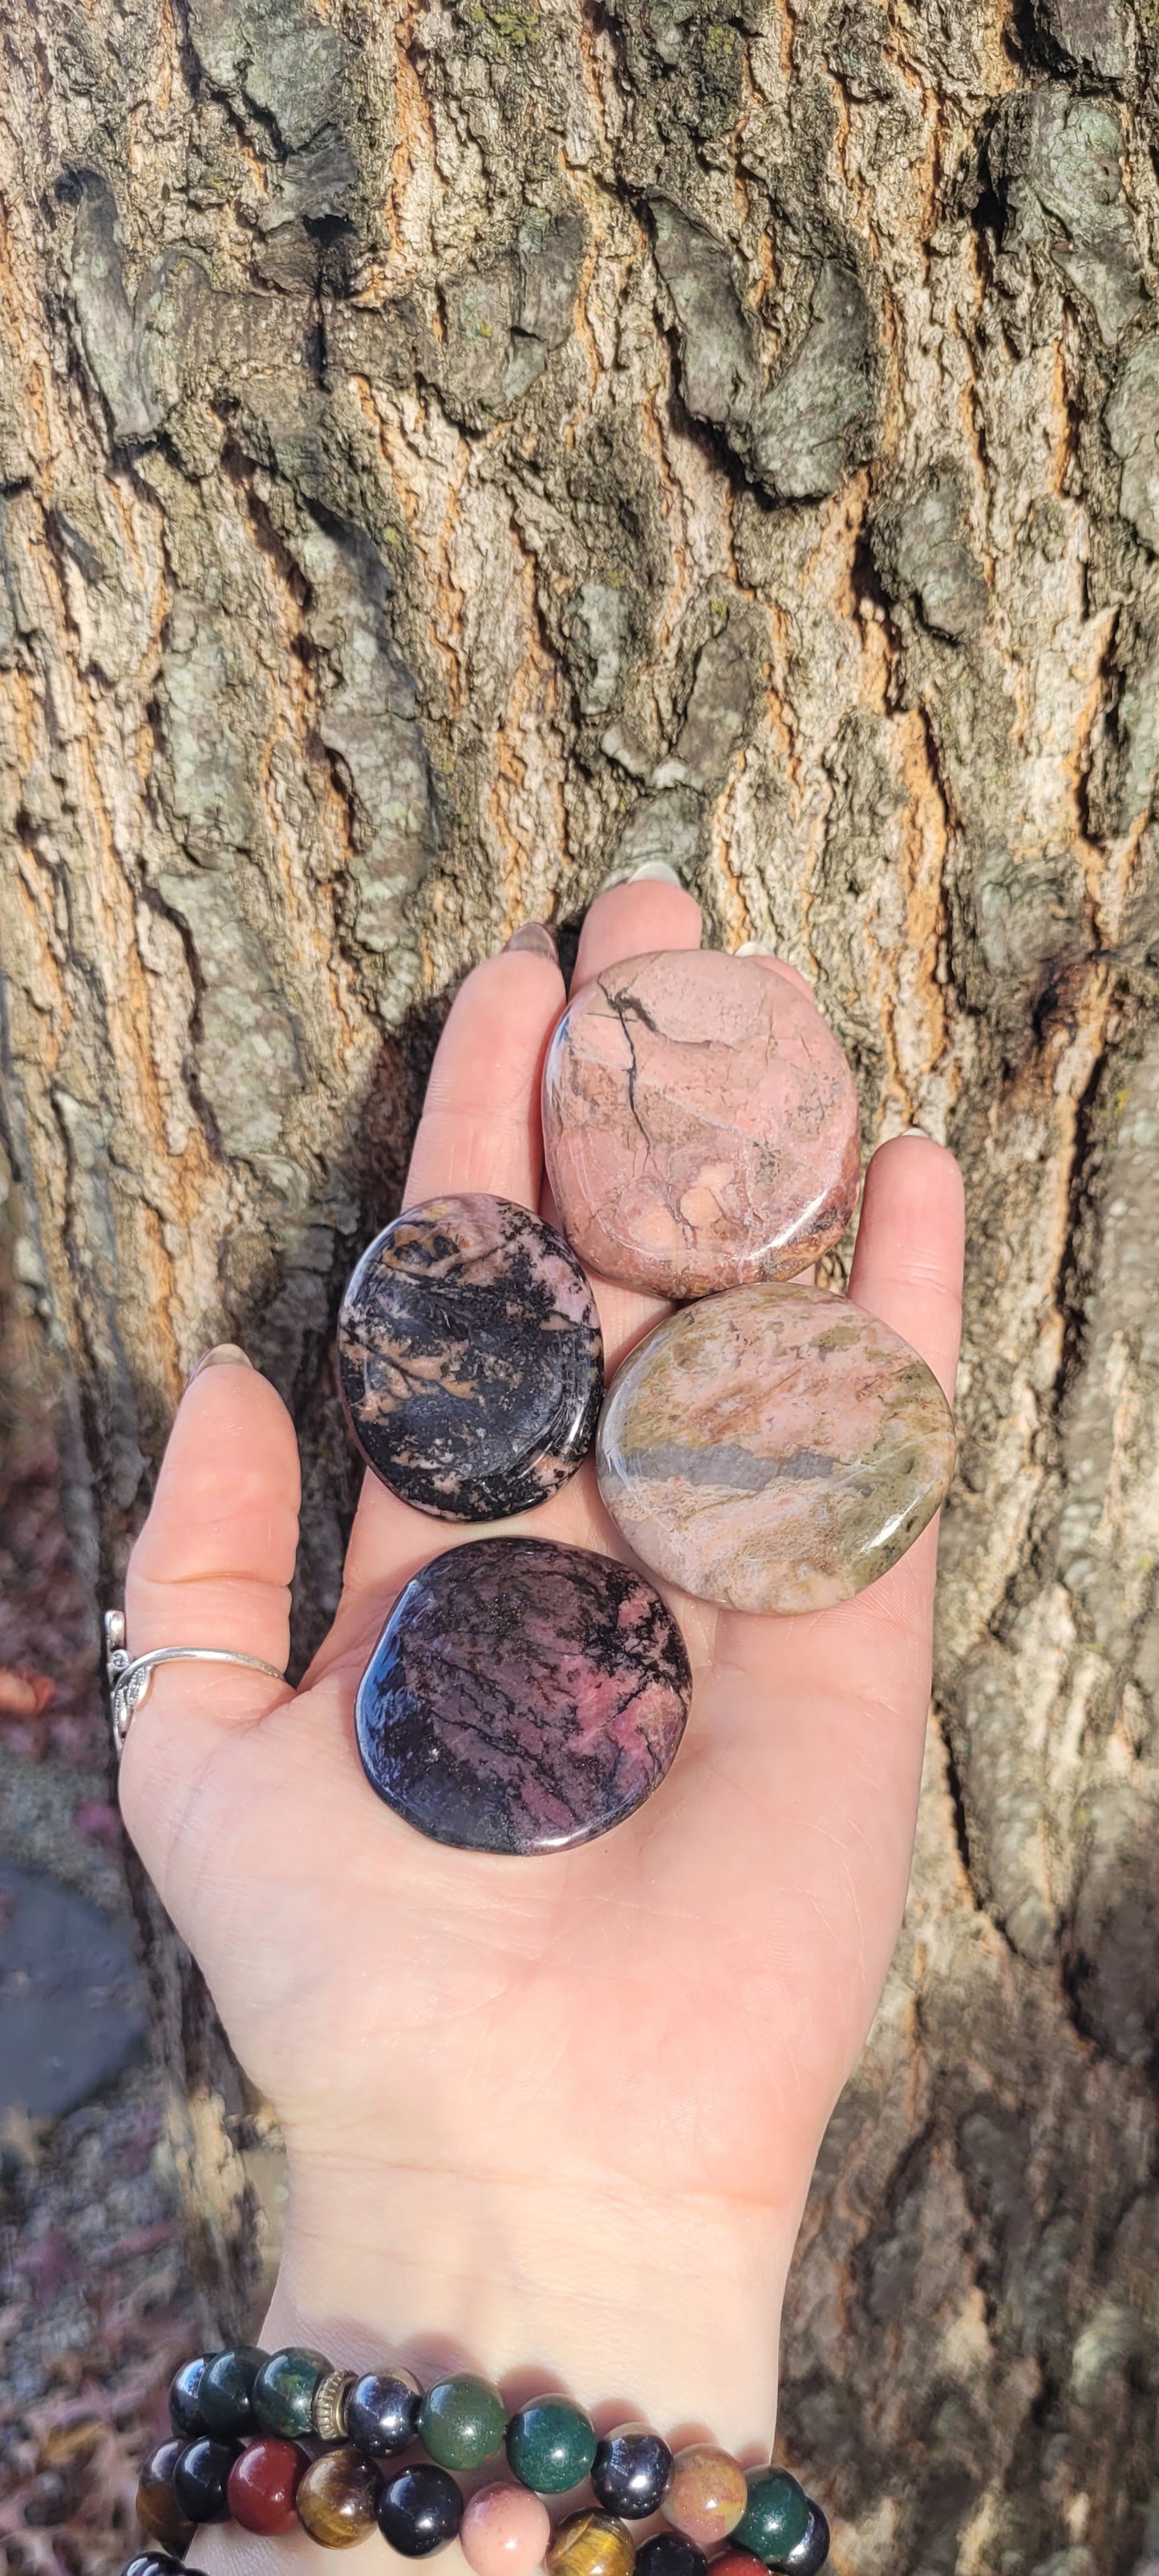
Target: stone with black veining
700, 1124
522, 1697
470, 1358
774, 1448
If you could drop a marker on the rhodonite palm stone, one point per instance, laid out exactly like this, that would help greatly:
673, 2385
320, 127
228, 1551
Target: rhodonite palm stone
700, 1124
775, 1448
522, 1697
470, 1358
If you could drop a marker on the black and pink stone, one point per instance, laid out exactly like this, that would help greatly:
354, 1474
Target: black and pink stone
522, 1697
470, 1358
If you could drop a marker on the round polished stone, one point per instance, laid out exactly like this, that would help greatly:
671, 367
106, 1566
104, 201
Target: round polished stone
152, 2562
774, 1449
522, 1697
419, 2511
470, 1358
283, 2391
591, 2544
337, 2498
707, 2494
812, 2549
201, 2480
185, 2396
630, 2471
505, 2532
699, 1124
382, 2412
551, 2444
668, 2553
226, 2390
776, 2516
158, 2511
462, 2421
262, 2486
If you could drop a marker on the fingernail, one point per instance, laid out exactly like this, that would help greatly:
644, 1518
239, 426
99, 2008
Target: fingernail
923, 1132
657, 869
755, 948
223, 1355
534, 938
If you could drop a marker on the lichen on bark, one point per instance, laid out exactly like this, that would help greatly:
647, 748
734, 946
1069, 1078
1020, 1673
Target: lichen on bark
444, 454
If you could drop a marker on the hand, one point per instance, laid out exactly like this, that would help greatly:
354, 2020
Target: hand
563, 2110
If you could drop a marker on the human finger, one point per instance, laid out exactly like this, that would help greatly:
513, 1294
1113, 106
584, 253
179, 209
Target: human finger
480, 1125
630, 919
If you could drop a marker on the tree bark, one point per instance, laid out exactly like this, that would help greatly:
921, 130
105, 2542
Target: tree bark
447, 452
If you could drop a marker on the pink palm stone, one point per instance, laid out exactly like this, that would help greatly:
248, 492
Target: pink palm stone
504, 2532
699, 1124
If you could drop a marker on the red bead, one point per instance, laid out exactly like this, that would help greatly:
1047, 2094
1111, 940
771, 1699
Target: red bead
738, 2562
263, 2484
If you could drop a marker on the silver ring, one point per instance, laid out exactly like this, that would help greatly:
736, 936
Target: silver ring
129, 1676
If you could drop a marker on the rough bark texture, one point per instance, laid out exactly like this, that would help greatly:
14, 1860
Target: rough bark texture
447, 451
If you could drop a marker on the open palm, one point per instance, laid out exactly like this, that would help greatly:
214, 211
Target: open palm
642, 2038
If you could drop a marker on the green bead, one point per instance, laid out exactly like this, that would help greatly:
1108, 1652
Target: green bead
551, 2445
283, 2392
462, 2421
225, 2392
775, 2518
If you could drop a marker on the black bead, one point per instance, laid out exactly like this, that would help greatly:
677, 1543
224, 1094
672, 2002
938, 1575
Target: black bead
812, 2549
185, 2396
630, 2472
226, 2387
199, 2480
670, 2555
420, 2510
154, 2562
382, 2412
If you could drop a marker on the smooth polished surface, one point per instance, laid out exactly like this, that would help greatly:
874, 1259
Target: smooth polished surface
282, 2396
470, 1358
669, 2554
776, 2516
462, 2421
591, 2544
158, 2511
812, 2549
201, 2478
185, 2395
262, 2485
630, 2471
551, 2444
774, 1449
382, 2411
225, 2390
707, 2494
505, 2532
522, 1697
419, 2511
337, 2498
700, 1124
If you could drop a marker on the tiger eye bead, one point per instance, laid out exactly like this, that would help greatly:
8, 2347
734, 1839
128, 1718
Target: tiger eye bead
382, 2411
419, 2511
630, 2472
185, 2396
775, 2518
707, 2494
262, 2486
462, 2421
337, 2498
283, 2391
551, 2444
225, 2391
201, 2477
158, 2511
591, 2544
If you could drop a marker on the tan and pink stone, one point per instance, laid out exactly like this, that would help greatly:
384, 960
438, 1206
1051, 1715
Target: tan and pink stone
773, 1449
700, 1124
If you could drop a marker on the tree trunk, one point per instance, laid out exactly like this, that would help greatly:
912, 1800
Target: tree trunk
447, 452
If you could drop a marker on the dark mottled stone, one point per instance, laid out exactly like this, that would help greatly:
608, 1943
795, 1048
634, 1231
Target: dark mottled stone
812, 2550
522, 1696
470, 1357
630, 2472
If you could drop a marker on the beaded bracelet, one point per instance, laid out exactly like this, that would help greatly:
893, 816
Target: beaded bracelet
283, 2440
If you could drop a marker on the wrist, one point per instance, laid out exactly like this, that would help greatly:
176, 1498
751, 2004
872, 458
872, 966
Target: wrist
667, 2310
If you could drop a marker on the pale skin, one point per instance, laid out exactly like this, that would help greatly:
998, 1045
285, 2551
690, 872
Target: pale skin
555, 2117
